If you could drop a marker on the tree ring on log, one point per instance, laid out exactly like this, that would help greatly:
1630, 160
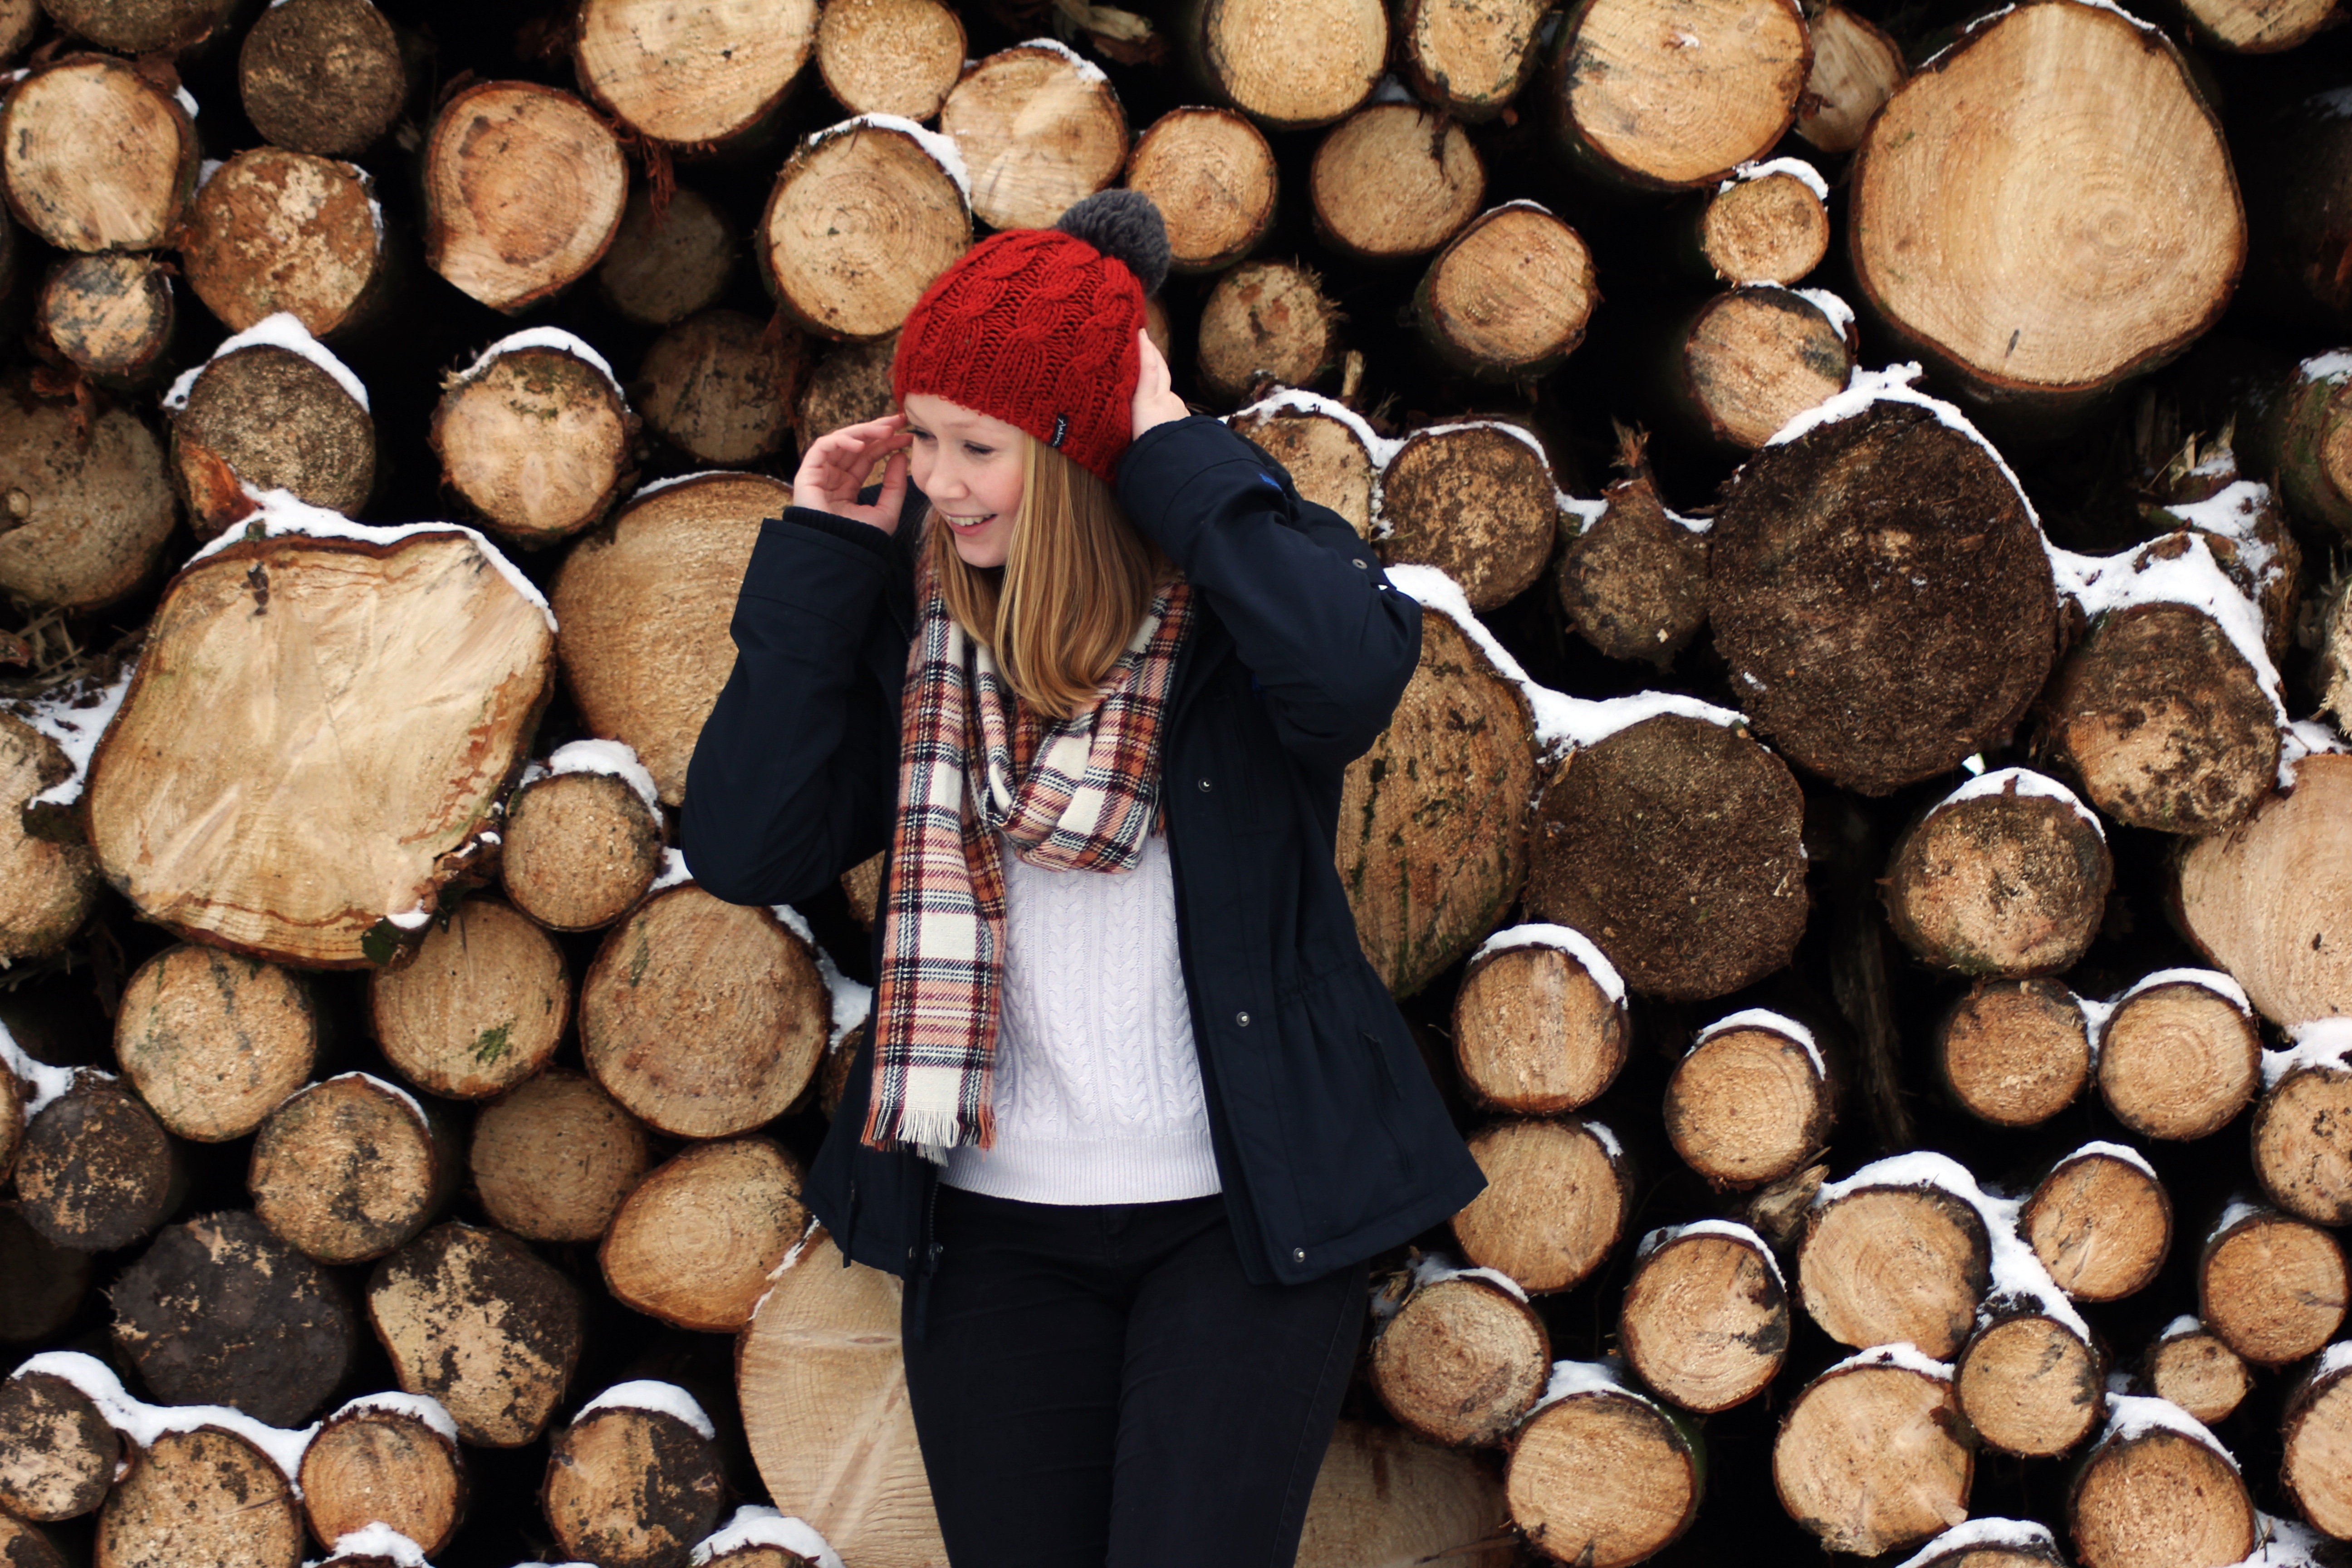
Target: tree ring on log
523, 192
693, 74
1556, 1203
1211, 174
1508, 299
860, 224
59, 185
1476, 501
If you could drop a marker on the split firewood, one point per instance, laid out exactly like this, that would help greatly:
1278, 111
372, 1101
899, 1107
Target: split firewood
2179, 1056
1508, 299
47, 888
1211, 174
2014, 1053
523, 191
693, 76
129, 192
1994, 167
1674, 841
1897, 1251
1650, 95
2301, 432
1870, 1457
719, 387
1857, 68
2007, 876
2192, 1367
534, 437
352, 1168
2273, 1287
1600, 1476
1475, 500
890, 56
2302, 1126
1467, 60
2317, 1437
1539, 1021
2270, 902
694, 1243
1879, 590
2100, 1222
634, 1481
2029, 1380
1461, 1357
388, 1458
1265, 320
644, 605
1331, 455
327, 77
89, 506
219, 1311
1230, 45
207, 1494
475, 1319
1705, 1319
41, 1283
660, 271
858, 280
481, 1008
1385, 1497
1632, 575
850, 384
581, 846
1039, 127
275, 230
1559, 1196
1768, 223
1755, 357
2158, 1491
57, 1454
109, 316
1393, 181
97, 1171
1751, 1102
271, 410
212, 1043
554, 1157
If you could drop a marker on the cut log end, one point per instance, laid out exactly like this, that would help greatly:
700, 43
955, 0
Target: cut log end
553, 1158
2015, 1052
630, 1487
205, 1495
1325, 458
1467, 59
1857, 68
1461, 1362
2028, 1385
1038, 129
1265, 320
380, 1465
2273, 1288
858, 281
269, 418
719, 387
132, 194
1754, 359
109, 316
2159, 1497
97, 1170
1292, 65
1394, 181
214, 1043
1556, 1203
473, 1319
481, 1008
2100, 1225
1870, 1459
1475, 502
1704, 1320
1747, 1106
2199, 1374
47, 888
2303, 1144
57, 1454
322, 76
695, 1244
2007, 884
580, 848
1774, 229
1633, 581
1659, 98
2272, 902
1384, 1495
1534, 1033
1602, 1479
524, 187
1508, 299
2318, 1435
1887, 1263
660, 271
2178, 1061
97, 506
692, 75
536, 443
890, 56
1212, 176
276, 230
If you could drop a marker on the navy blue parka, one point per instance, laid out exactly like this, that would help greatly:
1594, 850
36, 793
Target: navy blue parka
1332, 1142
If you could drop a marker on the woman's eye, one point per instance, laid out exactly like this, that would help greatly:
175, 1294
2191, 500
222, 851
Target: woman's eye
979, 452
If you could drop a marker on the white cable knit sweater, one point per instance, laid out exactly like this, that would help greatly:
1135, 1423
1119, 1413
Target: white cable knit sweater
1097, 1096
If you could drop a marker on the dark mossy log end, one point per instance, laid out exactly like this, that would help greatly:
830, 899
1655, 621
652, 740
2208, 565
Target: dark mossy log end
141, 27
97, 507
109, 316
1467, 57
1212, 176
265, 418
890, 56
696, 77
1264, 322
219, 1311
1705, 1319
2087, 226
2152, 1495
1880, 1265
2007, 881
1770, 226
2178, 1059
1633, 578
275, 230
2303, 1142
2195, 1370
2014, 1053
212, 1042
1385, 1496
695, 1242
2273, 1287
2100, 1222
719, 387
1477, 502
553, 1158
388, 1458
662, 269
580, 848
1871, 1456
1393, 181
1461, 1360
126, 190
1290, 65
1536, 1031
2317, 1437
205, 1495
858, 280
536, 440
1600, 1477
1508, 299
1322, 446
97, 1171
481, 1007
1857, 68
1559, 1197
1649, 95
644, 603
474, 1318
1752, 358
632, 1488
58, 1455
523, 192
1674, 843
322, 76
1433, 844
41, 1283
1750, 1103
351, 1168
1881, 593
2271, 901
47, 888
2029, 1384
1039, 127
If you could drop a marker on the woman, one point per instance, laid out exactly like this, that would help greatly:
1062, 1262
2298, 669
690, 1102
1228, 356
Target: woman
1134, 1108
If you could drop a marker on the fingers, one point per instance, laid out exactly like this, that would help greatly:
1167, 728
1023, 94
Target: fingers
893, 490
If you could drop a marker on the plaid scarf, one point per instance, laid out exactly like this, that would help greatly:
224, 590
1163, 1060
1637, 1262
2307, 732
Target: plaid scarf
1080, 794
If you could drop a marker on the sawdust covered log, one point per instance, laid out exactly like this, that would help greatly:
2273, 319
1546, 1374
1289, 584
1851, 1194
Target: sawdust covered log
89, 515
1705, 1319
1393, 181
276, 230
47, 888
1039, 127
327, 77
267, 417
890, 56
1322, 450
1882, 1264
580, 848
719, 387
1558, 1199
1385, 1497
1632, 575
474, 1318
2272, 1287
1751, 1101
1536, 1031
660, 271
58, 1455
1475, 500
1212, 175
1465, 58
2178, 1059
95, 156
482, 1007
1870, 1459
109, 317
1602, 1477
1857, 68
212, 1042
351, 1168
1508, 299
629, 1487
383, 1457
2194, 1369
1265, 321
553, 1157
1290, 65
859, 281
206, 1496
1753, 358
2150, 1496
1768, 225
2006, 882
2100, 1222
523, 191
697, 76
2014, 1053
536, 440
2271, 901
694, 1243
97, 1170
2303, 1141
1461, 1359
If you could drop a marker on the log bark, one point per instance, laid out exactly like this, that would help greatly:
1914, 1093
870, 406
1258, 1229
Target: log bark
88, 509
1749, 1104
1705, 1319
1321, 448
109, 317
719, 387
1632, 575
77, 192
536, 440
24, 1545
1674, 843
1870, 1458
1874, 679
2029, 1384
1559, 1197
41, 1283
2004, 884
326, 77
2195, 1370
382, 1458
1477, 502
1752, 358
554, 1157
474, 1318
1536, 1033
1290, 65
1602, 1477
266, 418
2317, 1437
2002, 171
2014, 1053
523, 192
2303, 1142
1211, 174
1434, 843
662, 269
1264, 322
97, 1170
1508, 299
2299, 434
632, 1488
581, 848
276, 230
58, 1455
2272, 1287
1467, 59
481, 1008
352, 1168
1385, 1500
643, 605
850, 384
890, 56
2178, 1061
1039, 127
695, 1243
858, 280
2101, 1225
1762, 226
47, 888
212, 1043
697, 76
206, 1496
2151, 1497
1634, 106
1461, 1360
2271, 901
705, 1019
1884, 1264
1393, 181
1857, 68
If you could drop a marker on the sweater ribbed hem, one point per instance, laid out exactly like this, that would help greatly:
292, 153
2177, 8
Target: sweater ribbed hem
1089, 1171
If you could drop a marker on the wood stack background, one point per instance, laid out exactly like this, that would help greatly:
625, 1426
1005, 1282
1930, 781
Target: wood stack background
367, 1069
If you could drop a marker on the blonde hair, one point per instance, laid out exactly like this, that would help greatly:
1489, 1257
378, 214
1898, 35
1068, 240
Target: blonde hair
1073, 588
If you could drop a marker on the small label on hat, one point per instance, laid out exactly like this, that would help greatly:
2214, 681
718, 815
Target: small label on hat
1061, 429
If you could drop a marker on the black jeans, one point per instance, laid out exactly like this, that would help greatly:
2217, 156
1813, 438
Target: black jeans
1099, 1385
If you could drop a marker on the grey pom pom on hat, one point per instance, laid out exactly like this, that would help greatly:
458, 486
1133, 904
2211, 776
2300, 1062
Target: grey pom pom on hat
1126, 224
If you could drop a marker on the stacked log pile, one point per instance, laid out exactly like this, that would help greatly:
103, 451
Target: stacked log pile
1867, 850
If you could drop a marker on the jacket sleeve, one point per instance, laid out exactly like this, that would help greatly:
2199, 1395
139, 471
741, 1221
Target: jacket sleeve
1329, 643
793, 778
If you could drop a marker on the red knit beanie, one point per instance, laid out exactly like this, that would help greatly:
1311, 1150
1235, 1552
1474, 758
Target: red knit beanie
1036, 327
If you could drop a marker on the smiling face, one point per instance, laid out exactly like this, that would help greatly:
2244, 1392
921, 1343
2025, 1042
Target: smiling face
971, 467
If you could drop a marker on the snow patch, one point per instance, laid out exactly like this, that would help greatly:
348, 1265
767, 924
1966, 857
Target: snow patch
376, 1539
75, 716
2239, 1211
942, 150
415, 919
1587, 512
393, 1089
2131, 1416
419, 1406
673, 873
2186, 1323
1566, 940
1571, 1378
1437, 1268
282, 331
1774, 1023
185, 100
1901, 1353
2287, 1544
2021, 781
2306, 737
2323, 1043
1088, 72
661, 1398
642, 492
1729, 1229
1378, 447
2099, 1149
2212, 980
1520, 433
1388, 89
554, 338
2022, 1535
1605, 1138
614, 759
42, 1081
1833, 306
207, 169
2336, 1358
851, 1001
146, 1423
2336, 363
2105, 584
754, 1525
1797, 169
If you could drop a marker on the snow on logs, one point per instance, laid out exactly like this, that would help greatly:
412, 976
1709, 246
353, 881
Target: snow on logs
2303, 1125
2157, 1490
1768, 223
1631, 576
523, 191
1331, 455
2190, 1367
583, 837
2317, 1434
2100, 1222
47, 888
1705, 1319
1539, 1022
389, 1459
270, 410
2179, 1054
634, 1481
1751, 1100
1475, 500
2272, 1287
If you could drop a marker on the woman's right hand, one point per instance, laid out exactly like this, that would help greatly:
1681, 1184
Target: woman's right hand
835, 468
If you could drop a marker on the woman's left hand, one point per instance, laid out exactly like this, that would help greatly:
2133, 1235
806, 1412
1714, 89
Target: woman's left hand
1155, 402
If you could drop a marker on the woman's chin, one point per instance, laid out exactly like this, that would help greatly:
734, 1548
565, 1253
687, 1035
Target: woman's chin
982, 552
